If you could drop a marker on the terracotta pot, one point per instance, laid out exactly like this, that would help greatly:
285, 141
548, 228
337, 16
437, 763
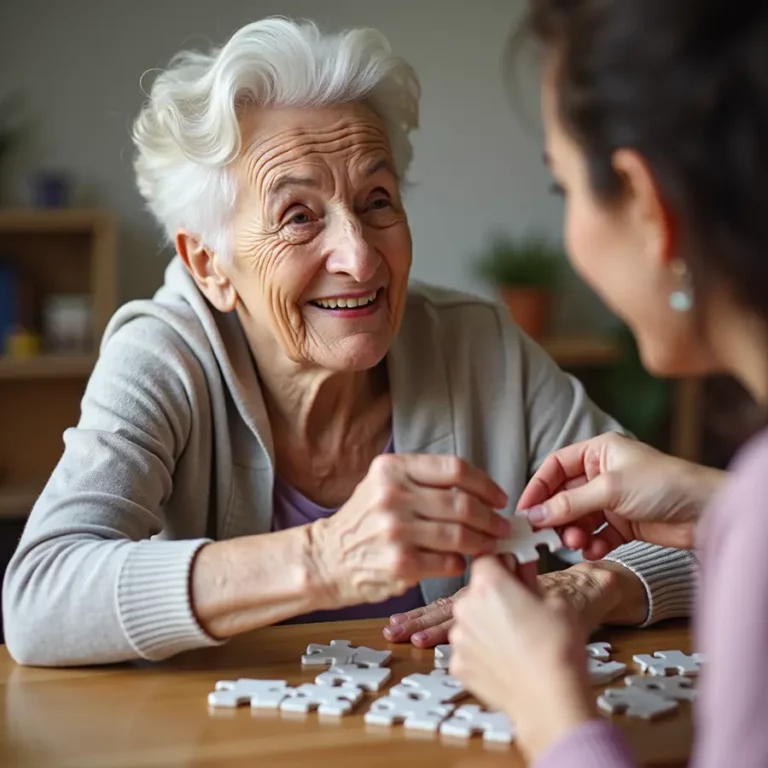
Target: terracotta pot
531, 309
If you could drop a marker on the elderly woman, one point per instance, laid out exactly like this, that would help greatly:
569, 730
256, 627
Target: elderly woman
287, 431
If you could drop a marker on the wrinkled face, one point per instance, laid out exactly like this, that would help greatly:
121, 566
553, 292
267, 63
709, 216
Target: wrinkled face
625, 250
322, 247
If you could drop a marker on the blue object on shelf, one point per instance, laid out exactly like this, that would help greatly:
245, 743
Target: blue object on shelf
51, 190
9, 301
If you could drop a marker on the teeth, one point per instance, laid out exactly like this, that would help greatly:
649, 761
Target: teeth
345, 303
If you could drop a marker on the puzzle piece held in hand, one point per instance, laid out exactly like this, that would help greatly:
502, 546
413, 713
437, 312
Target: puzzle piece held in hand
635, 702
326, 699
524, 540
678, 688
603, 672
367, 678
443, 656
341, 652
471, 719
438, 686
260, 694
600, 651
670, 662
422, 714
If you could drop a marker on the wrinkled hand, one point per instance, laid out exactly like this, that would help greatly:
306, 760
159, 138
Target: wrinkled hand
412, 517
638, 491
597, 593
521, 654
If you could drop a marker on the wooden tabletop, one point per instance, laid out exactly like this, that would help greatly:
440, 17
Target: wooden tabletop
156, 715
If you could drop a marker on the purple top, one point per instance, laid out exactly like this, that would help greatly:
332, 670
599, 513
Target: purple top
731, 628
290, 508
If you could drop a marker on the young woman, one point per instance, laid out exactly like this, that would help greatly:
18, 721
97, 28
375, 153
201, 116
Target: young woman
656, 117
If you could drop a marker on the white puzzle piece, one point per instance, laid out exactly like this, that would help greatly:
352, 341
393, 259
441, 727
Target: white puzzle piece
635, 702
670, 662
367, 678
442, 656
437, 686
471, 719
678, 688
259, 694
603, 672
524, 540
326, 699
341, 652
600, 651
422, 714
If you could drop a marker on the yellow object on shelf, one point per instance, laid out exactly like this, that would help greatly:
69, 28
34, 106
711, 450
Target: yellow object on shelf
21, 344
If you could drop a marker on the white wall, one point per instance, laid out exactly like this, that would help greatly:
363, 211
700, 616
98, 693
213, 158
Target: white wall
477, 164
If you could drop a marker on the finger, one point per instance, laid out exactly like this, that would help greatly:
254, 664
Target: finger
575, 535
449, 537
459, 507
488, 572
432, 636
445, 471
432, 615
603, 543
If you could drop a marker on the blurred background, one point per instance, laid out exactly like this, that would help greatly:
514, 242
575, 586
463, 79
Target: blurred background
75, 241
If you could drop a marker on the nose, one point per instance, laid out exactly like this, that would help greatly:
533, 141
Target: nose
348, 251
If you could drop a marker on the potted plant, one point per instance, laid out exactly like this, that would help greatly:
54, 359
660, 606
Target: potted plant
526, 271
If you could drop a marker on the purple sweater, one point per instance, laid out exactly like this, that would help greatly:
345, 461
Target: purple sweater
731, 628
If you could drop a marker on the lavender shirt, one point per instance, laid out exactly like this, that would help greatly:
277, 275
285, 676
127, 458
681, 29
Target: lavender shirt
290, 509
731, 628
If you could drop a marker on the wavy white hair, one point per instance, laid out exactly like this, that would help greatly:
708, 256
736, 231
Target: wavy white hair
187, 132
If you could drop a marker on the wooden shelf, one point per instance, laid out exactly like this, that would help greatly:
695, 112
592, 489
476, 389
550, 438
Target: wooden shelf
47, 367
52, 220
582, 351
17, 503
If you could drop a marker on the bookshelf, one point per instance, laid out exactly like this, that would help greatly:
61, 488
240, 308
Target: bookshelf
59, 252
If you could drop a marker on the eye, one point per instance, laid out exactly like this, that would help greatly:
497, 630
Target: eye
298, 215
379, 202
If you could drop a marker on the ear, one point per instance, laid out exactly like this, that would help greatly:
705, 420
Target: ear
203, 264
649, 215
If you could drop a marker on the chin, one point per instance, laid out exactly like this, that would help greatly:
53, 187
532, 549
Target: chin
357, 354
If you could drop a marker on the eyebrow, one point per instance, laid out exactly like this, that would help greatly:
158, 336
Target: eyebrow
292, 181
382, 164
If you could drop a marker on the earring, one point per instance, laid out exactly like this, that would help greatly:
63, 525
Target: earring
681, 300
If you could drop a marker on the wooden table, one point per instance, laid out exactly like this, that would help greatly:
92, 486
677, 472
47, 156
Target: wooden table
155, 715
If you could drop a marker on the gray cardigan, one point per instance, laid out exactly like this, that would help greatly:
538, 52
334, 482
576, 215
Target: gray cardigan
173, 449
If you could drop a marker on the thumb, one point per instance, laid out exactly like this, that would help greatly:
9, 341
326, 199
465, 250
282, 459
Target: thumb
571, 505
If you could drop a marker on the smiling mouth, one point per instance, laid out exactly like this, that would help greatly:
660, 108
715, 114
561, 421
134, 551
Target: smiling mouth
347, 302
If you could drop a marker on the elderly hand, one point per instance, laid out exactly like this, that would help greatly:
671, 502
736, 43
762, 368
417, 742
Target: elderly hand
638, 491
521, 654
412, 517
598, 593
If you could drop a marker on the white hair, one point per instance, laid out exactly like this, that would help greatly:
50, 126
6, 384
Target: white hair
187, 132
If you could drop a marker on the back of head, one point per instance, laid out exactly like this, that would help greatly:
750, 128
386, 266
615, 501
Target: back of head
685, 84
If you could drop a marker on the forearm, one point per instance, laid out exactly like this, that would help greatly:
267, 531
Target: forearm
242, 584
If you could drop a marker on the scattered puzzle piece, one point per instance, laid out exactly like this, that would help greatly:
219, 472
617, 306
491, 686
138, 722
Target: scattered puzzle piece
635, 702
423, 714
442, 656
437, 686
471, 719
524, 540
341, 652
367, 678
679, 688
260, 694
599, 651
666, 662
326, 699
602, 672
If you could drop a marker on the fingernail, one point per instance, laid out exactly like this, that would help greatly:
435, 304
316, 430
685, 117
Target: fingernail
419, 636
537, 515
392, 633
398, 618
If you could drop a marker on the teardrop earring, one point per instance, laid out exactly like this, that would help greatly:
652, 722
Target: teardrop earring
681, 300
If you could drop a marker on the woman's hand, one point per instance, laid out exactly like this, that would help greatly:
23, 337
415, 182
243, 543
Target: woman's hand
521, 654
638, 491
412, 517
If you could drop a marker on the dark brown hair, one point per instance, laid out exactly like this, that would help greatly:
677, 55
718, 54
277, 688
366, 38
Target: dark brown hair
684, 83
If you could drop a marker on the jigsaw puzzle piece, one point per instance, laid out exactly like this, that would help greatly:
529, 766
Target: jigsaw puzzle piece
422, 714
524, 541
602, 672
442, 656
259, 694
600, 651
326, 699
471, 719
341, 652
679, 688
635, 702
670, 662
437, 686
367, 678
